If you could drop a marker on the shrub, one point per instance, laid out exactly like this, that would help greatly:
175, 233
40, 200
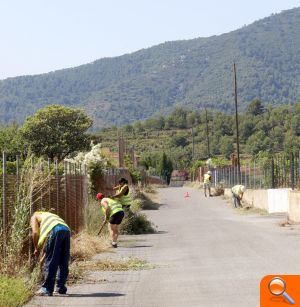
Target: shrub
136, 223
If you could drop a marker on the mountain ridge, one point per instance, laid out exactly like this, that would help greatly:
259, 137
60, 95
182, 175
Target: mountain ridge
195, 73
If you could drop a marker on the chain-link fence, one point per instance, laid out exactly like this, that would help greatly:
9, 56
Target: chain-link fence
274, 171
43, 185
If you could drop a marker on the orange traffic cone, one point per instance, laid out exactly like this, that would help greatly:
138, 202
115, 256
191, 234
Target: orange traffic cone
186, 195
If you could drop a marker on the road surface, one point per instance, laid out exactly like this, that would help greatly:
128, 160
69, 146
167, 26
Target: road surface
206, 254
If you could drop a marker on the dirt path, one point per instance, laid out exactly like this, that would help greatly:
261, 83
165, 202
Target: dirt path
206, 254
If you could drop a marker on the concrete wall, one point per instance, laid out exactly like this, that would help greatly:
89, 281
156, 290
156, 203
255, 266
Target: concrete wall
274, 200
294, 206
278, 200
271, 200
256, 198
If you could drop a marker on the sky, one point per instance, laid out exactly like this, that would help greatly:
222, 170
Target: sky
38, 36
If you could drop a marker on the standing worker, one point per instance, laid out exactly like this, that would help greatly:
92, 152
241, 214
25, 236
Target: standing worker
207, 183
237, 195
51, 236
114, 214
122, 194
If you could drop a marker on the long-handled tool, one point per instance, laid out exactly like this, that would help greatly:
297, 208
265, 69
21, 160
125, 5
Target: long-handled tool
102, 226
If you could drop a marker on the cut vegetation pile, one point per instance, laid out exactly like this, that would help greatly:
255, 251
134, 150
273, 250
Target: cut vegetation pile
130, 264
136, 222
84, 246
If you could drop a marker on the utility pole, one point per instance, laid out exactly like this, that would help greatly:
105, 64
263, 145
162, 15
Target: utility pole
237, 127
207, 133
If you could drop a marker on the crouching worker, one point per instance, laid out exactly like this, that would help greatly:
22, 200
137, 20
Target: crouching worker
51, 236
237, 195
114, 214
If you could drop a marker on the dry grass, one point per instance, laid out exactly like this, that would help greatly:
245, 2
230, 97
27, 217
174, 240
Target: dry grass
247, 208
149, 189
129, 264
76, 273
84, 246
144, 199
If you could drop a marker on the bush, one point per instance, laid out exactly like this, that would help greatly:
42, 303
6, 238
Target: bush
136, 223
136, 176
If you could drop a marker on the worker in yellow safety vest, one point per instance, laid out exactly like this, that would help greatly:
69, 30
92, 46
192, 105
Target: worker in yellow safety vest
123, 194
207, 183
237, 195
51, 236
114, 214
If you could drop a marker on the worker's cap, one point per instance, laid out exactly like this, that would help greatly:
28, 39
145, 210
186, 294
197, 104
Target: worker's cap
209, 172
243, 189
99, 196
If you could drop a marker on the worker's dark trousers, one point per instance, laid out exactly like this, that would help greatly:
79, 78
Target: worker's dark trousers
57, 251
236, 201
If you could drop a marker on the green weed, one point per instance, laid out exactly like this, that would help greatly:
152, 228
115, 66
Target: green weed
13, 291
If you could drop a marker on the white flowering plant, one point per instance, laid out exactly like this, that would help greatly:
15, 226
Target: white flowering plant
95, 162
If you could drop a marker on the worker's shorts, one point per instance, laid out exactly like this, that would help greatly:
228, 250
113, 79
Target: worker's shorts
117, 218
207, 185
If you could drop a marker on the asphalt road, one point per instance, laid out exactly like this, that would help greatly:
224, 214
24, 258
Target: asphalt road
206, 254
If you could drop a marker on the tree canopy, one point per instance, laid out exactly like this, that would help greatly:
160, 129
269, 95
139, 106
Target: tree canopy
56, 131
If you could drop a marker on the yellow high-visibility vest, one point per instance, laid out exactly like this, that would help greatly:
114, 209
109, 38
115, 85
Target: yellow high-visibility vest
125, 200
237, 189
113, 205
48, 222
207, 178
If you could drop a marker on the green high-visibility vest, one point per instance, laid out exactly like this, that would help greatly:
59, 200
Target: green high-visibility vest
48, 222
125, 200
113, 206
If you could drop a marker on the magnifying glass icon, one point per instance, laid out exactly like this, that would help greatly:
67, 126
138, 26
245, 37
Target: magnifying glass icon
277, 287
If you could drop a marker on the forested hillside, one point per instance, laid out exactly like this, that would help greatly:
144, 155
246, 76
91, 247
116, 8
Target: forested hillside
262, 130
193, 73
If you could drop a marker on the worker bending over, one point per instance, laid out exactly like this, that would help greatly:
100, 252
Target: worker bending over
237, 195
51, 236
114, 214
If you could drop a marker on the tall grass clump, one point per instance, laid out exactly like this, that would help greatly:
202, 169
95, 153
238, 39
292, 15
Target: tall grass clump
17, 277
32, 180
93, 216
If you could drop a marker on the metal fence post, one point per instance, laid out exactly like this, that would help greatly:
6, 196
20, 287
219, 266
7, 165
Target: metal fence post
292, 171
4, 204
49, 183
249, 175
272, 173
76, 198
66, 194
18, 175
31, 212
80, 194
57, 186
254, 175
